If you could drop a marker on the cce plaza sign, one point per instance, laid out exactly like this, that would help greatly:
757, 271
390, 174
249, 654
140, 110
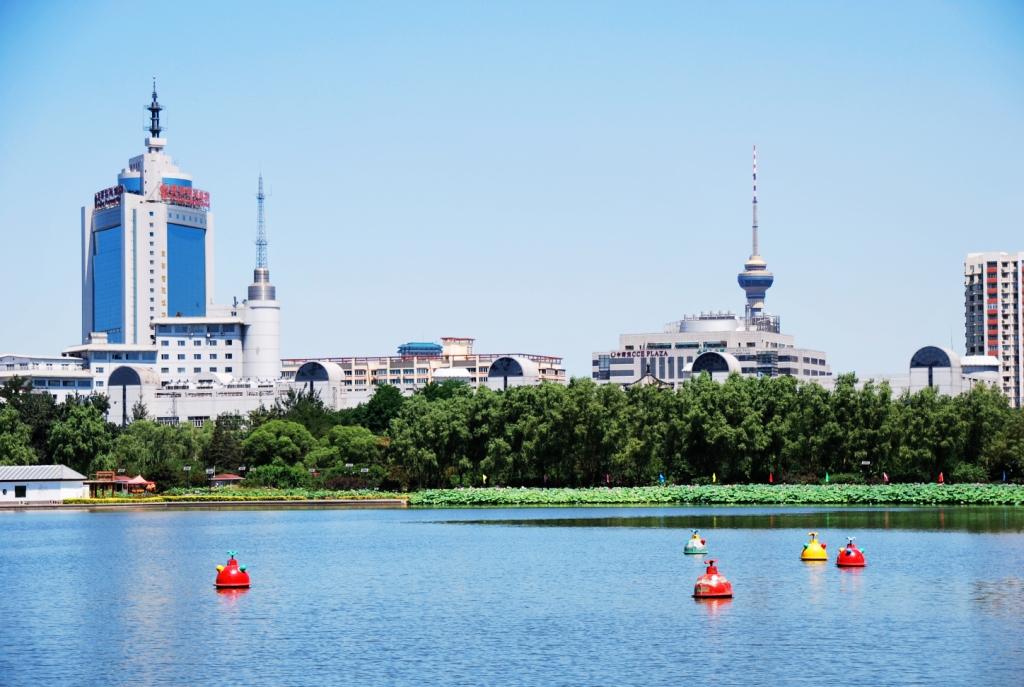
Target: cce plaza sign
645, 353
185, 196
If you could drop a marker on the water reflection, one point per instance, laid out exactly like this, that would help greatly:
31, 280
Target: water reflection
714, 608
963, 518
229, 602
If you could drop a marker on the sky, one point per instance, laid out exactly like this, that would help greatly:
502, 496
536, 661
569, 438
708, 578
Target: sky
541, 176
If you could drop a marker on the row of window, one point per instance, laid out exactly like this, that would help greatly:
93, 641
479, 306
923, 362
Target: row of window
197, 329
195, 370
197, 342
195, 356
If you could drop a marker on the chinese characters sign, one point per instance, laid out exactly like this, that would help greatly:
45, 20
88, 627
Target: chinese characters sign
108, 197
185, 196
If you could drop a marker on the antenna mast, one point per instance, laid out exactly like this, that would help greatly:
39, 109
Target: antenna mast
755, 204
261, 230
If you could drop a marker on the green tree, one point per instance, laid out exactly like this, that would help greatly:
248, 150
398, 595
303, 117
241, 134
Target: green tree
288, 441
15, 439
346, 444
37, 410
377, 413
78, 436
306, 408
139, 411
225, 447
1005, 451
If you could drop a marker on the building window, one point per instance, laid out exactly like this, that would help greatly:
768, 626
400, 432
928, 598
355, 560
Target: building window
213, 356
197, 342
165, 370
213, 369
197, 369
99, 383
181, 356
19, 491
227, 356
165, 356
211, 342
181, 342
228, 369
99, 369
197, 356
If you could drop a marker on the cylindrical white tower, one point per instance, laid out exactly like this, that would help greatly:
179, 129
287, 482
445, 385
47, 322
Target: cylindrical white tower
261, 343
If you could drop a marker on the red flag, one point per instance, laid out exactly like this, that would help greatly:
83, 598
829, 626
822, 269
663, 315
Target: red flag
941, 479
771, 477
885, 477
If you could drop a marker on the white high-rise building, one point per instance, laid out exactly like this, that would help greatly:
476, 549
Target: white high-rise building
147, 247
993, 314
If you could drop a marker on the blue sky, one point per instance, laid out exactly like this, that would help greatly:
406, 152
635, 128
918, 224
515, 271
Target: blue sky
542, 176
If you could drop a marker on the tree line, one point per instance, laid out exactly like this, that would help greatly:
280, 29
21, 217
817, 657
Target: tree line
584, 434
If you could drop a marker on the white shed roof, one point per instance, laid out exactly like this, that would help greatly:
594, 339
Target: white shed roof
38, 473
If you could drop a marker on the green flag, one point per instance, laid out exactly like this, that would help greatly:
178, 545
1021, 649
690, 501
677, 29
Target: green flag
826, 478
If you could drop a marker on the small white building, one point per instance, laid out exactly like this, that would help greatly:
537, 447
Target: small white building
40, 483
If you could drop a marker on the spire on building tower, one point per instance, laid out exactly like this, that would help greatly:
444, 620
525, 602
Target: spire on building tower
154, 114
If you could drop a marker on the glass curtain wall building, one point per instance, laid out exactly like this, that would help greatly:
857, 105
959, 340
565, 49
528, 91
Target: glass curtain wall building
147, 247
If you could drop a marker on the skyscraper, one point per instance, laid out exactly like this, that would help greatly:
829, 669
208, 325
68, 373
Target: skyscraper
993, 314
147, 246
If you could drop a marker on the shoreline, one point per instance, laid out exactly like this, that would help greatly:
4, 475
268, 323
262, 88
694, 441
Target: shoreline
263, 504
691, 495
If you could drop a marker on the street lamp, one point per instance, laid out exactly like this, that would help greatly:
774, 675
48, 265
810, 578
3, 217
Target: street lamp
209, 478
188, 475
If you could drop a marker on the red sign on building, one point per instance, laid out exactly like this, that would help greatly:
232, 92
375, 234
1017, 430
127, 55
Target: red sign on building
185, 196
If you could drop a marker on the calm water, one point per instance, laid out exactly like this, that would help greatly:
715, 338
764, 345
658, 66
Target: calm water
510, 597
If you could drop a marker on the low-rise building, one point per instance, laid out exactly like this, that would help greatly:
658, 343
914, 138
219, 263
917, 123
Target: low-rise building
22, 484
347, 381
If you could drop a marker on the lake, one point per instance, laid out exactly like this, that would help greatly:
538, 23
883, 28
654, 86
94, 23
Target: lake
538, 596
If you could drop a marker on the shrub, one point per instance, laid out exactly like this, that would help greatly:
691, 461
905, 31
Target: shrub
342, 477
278, 475
967, 473
846, 478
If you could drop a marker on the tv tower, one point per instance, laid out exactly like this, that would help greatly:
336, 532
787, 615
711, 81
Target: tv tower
755, 279
261, 349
